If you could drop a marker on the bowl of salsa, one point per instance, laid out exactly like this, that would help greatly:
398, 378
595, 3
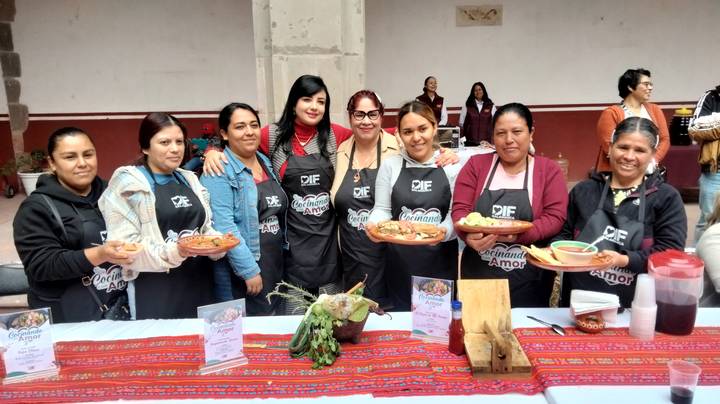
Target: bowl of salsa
571, 252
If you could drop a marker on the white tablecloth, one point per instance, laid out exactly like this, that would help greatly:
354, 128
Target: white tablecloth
615, 394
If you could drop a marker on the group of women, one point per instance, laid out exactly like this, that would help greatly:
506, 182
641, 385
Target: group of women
303, 195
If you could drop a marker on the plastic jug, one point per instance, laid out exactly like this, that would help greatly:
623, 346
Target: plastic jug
678, 286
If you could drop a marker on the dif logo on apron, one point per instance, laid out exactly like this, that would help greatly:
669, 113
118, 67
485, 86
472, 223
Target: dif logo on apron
615, 276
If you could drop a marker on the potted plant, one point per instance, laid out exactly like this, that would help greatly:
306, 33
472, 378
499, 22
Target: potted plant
30, 166
7, 170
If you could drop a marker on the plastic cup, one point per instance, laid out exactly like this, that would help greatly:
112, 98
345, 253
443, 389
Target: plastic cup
644, 291
683, 379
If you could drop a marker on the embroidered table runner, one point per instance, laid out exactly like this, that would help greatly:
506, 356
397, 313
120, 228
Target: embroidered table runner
613, 357
384, 363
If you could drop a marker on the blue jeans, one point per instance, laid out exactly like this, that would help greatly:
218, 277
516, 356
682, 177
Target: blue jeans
709, 188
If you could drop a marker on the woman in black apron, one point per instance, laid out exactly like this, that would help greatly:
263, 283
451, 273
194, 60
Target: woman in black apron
636, 214
59, 234
354, 194
249, 202
302, 147
156, 204
498, 186
410, 187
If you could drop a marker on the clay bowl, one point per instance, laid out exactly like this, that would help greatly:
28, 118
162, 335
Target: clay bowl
568, 252
349, 330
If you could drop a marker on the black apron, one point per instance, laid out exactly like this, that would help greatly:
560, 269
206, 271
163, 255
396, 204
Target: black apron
272, 207
420, 194
312, 260
77, 303
620, 233
178, 293
507, 261
361, 257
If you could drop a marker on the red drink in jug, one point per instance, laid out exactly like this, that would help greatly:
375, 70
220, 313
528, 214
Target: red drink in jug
678, 285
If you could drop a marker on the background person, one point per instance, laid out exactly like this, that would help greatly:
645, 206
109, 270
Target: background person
59, 249
476, 116
708, 138
399, 197
247, 201
708, 249
431, 98
637, 214
155, 203
511, 184
635, 88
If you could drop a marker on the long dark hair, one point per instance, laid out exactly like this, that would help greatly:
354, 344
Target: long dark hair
471, 98
304, 86
153, 123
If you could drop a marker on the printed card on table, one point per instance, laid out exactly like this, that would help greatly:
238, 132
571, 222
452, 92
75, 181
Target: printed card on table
431, 311
223, 335
27, 346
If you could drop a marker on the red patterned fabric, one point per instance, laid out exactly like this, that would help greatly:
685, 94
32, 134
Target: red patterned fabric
384, 363
613, 357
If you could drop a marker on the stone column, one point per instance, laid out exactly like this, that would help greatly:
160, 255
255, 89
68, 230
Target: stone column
10, 62
320, 37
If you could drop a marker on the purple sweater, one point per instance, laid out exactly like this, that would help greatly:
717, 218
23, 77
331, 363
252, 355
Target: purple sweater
549, 198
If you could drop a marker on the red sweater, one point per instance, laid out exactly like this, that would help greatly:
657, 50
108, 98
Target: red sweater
303, 132
549, 199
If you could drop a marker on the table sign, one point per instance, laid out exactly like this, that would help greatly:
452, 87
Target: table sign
223, 337
27, 346
431, 312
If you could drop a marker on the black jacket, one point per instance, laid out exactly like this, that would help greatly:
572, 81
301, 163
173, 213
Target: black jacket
665, 222
55, 264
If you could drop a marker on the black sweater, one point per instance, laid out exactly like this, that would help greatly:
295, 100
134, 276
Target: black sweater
665, 218
52, 262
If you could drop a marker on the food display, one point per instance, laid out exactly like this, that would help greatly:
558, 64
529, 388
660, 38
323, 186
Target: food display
207, 244
327, 319
545, 258
573, 252
410, 233
474, 222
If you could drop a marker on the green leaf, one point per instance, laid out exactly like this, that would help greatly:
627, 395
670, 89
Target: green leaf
360, 314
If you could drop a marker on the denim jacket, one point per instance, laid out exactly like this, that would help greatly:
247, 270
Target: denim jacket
233, 200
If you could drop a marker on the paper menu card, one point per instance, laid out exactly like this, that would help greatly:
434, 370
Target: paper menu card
430, 308
223, 335
27, 345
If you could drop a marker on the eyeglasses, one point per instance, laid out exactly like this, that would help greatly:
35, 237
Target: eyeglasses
360, 115
647, 83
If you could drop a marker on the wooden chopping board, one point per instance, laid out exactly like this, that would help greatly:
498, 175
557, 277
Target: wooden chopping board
488, 300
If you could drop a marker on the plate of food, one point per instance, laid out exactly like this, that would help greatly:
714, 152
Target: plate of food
545, 258
408, 233
207, 244
474, 222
